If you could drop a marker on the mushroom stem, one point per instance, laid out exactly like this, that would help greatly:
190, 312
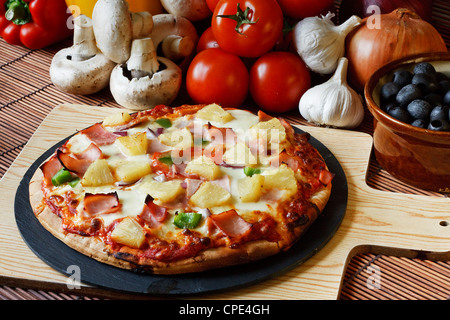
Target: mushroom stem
175, 47
142, 23
84, 46
143, 59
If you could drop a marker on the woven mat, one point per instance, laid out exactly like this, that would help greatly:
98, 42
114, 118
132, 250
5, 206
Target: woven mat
26, 90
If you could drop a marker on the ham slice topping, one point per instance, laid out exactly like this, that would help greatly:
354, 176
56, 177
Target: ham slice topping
231, 223
101, 203
98, 134
284, 158
153, 215
79, 162
50, 168
220, 135
326, 176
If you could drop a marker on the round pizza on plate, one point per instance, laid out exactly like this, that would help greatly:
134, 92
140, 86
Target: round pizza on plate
179, 190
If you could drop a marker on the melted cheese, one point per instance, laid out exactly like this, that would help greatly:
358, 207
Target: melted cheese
132, 198
242, 121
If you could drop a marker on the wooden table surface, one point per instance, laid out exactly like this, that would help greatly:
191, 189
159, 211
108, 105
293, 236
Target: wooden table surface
27, 97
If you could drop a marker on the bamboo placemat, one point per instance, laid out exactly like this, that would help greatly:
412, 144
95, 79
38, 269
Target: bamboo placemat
27, 96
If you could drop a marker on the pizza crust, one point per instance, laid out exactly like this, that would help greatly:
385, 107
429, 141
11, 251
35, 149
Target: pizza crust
96, 249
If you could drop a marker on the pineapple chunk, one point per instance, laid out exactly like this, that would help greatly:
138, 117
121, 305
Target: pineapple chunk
271, 131
97, 174
128, 232
239, 154
117, 119
163, 192
250, 188
133, 145
204, 167
130, 170
214, 112
210, 195
280, 178
179, 139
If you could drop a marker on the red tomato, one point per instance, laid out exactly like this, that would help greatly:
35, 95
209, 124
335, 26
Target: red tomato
299, 9
207, 41
211, 4
278, 80
217, 76
255, 31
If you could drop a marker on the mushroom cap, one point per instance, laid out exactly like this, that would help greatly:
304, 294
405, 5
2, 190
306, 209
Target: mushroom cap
194, 10
80, 77
113, 29
167, 24
146, 92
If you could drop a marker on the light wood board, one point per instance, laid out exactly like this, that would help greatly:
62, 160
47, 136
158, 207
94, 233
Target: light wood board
375, 221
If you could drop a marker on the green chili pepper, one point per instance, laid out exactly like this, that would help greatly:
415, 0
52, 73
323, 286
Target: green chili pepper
187, 220
251, 171
163, 122
62, 176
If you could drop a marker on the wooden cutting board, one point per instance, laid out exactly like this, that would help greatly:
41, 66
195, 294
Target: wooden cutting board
375, 221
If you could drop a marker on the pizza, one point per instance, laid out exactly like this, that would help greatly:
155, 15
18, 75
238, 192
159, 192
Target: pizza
182, 189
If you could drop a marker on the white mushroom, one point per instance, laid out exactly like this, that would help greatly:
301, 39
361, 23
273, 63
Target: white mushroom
176, 36
81, 69
142, 23
145, 80
115, 27
194, 10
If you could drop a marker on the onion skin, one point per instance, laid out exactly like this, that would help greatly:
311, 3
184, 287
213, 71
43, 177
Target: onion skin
359, 7
402, 33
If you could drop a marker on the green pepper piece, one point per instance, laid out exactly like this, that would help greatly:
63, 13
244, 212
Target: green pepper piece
187, 220
200, 142
74, 182
251, 171
166, 160
62, 176
163, 122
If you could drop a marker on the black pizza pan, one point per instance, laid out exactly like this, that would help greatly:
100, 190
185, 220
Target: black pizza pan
89, 271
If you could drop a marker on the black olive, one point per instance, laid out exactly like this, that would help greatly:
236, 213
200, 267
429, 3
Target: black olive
434, 99
444, 86
402, 77
439, 112
420, 123
388, 106
426, 82
389, 92
424, 67
439, 125
446, 99
419, 109
407, 94
400, 114
441, 76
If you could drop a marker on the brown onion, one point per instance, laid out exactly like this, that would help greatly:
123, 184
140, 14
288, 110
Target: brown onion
401, 33
360, 7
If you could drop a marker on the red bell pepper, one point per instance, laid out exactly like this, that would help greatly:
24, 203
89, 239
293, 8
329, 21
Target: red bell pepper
34, 24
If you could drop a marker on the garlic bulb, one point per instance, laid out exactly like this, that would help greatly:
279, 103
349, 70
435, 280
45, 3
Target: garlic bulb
333, 103
320, 43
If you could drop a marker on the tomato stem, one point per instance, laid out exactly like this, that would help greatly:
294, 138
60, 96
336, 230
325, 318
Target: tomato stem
241, 17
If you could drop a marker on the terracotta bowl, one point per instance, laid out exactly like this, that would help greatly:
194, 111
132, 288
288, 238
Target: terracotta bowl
419, 157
